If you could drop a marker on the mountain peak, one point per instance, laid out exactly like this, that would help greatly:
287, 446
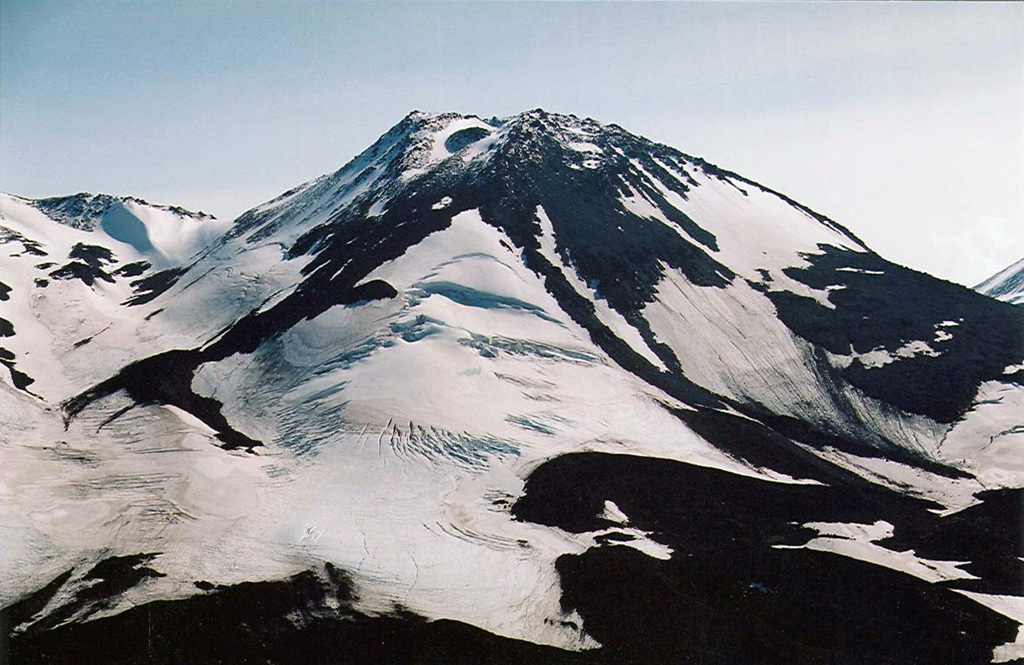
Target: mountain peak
530, 147
82, 211
423, 128
162, 234
436, 347
85, 211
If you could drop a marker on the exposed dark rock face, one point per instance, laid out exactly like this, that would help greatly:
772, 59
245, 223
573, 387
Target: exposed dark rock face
87, 264
735, 590
305, 619
152, 286
881, 305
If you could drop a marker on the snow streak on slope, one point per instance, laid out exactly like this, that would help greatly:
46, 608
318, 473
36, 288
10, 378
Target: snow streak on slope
605, 313
758, 233
729, 341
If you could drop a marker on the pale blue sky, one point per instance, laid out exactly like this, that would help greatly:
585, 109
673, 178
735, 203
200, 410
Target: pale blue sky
904, 121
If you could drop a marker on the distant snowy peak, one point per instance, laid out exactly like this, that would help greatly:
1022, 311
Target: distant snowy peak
163, 235
86, 211
1006, 285
407, 150
73, 272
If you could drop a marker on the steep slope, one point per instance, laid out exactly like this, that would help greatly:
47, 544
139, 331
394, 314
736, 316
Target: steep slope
651, 253
1006, 285
491, 362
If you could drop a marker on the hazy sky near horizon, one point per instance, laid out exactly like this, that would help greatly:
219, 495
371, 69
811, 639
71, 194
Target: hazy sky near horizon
902, 121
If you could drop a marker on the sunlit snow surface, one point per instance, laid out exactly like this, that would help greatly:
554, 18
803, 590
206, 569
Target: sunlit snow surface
398, 432
439, 407
70, 335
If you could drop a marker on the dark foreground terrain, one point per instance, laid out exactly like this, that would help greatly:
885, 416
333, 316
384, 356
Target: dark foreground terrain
737, 589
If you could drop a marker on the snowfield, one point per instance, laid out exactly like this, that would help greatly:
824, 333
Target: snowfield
386, 370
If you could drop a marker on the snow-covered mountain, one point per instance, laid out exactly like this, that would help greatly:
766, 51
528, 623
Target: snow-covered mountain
77, 266
1006, 285
504, 390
